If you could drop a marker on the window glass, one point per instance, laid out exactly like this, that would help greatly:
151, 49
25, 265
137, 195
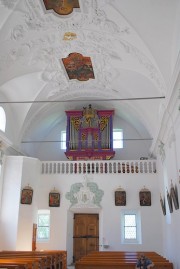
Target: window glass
63, 140
2, 119
43, 225
130, 227
118, 138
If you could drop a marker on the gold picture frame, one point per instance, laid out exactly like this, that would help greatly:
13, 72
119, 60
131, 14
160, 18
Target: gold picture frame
54, 199
145, 197
26, 196
120, 198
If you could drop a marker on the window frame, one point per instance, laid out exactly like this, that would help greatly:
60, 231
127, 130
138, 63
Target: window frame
3, 119
43, 212
138, 239
120, 140
63, 142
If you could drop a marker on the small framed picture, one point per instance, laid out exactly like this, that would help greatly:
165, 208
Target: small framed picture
54, 199
169, 199
120, 198
145, 198
26, 196
174, 196
163, 205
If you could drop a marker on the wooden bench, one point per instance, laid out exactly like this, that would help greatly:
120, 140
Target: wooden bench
20, 262
53, 259
119, 260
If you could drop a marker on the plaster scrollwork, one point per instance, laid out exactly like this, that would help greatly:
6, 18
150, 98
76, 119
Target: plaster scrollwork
41, 50
162, 152
85, 195
9, 3
18, 32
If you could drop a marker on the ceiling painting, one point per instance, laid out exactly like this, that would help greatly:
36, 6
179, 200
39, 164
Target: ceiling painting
61, 7
78, 67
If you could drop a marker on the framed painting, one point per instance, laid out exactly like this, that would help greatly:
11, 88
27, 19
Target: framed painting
120, 198
54, 199
26, 196
145, 198
163, 205
169, 199
174, 196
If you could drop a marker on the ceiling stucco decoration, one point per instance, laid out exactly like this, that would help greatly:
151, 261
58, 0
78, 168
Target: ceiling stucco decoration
78, 67
133, 63
44, 49
85, 195
61, 7
69, 36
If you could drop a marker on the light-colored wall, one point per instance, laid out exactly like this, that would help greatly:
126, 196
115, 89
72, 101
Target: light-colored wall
133, 149
169, 171
109, 214
22, 171
16, 220
9, 213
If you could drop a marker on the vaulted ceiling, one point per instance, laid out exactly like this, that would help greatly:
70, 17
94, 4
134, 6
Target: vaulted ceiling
133, 46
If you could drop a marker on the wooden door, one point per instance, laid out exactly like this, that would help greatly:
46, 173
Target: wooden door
86, 234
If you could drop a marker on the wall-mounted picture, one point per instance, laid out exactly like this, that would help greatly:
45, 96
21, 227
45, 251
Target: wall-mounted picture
169, 199
54, 199
145, 198
174, 196
163, 205
26, 196
120, 198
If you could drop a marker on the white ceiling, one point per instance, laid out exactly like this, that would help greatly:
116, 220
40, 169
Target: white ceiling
134, 47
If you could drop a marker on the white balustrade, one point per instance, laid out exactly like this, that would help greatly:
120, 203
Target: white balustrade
99, 167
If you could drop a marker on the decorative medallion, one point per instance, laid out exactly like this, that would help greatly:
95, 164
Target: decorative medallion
69, 36
61, 7
78, 67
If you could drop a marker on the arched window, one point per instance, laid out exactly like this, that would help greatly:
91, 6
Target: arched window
2, 119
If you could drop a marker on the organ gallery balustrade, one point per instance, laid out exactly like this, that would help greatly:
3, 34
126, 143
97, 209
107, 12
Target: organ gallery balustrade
99, 167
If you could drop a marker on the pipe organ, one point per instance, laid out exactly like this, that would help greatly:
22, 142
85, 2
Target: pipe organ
89, 134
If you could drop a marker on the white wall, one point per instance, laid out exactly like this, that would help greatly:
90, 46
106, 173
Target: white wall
109, 214
133, 149
28, 213
16, 220
169, 171
10, 202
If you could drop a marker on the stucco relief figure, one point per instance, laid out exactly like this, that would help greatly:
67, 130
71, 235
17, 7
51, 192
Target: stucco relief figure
85, 196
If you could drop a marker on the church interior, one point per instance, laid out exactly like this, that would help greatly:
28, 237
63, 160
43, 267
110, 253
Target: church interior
90, 128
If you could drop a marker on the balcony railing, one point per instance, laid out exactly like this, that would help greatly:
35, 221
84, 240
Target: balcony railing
99, 167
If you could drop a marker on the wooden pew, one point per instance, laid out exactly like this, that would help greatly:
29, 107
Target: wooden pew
119, 260
20, 262
53, 259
